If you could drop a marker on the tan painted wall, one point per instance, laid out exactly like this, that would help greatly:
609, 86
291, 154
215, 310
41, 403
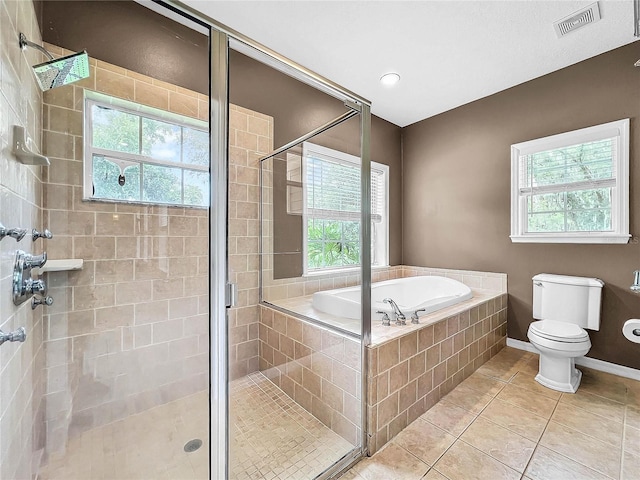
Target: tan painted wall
456, 197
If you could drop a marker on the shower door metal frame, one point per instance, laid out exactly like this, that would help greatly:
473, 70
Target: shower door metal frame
218, 259
221, 37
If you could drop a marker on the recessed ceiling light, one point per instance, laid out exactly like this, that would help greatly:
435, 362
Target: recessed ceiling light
389, 79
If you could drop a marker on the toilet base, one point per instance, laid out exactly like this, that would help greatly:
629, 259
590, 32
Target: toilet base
559, 373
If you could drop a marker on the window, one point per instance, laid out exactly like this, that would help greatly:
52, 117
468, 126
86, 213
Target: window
572, 187
331, 213
140, 154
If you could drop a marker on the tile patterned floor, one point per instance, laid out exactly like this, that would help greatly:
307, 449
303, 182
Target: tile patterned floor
272, 437
501, 424
149, 445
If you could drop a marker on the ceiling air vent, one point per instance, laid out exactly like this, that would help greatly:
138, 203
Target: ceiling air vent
576, 20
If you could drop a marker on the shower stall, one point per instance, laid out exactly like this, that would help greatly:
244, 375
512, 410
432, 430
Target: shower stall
160, 343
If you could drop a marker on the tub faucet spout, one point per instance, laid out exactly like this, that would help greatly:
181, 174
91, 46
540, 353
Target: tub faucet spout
400, 317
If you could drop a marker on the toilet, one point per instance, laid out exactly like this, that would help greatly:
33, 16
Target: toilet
564, 307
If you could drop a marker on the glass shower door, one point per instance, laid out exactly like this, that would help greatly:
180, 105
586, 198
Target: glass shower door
295, 391
127, 195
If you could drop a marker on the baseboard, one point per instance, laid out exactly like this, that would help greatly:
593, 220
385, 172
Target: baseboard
588, 362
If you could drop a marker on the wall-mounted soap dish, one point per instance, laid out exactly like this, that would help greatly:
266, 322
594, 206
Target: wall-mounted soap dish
21, 148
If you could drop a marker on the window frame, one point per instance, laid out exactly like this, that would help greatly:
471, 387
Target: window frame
127, 106
620, 192
381, 250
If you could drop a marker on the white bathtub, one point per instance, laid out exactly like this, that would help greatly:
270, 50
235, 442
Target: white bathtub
430, 293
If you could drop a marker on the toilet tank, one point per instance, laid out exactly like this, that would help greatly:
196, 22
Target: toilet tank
567, 299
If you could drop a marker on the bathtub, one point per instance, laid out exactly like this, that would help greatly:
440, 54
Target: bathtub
430, 293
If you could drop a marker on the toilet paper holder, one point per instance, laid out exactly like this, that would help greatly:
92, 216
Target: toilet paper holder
631, 330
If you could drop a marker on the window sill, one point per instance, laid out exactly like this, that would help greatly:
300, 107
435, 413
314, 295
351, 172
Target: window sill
598, 238
341, 271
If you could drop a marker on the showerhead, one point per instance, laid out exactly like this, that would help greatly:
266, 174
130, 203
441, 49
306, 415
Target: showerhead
58, 72
62, 71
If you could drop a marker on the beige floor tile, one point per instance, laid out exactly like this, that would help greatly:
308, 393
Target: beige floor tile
603, 384
516, 419
350, 474
468, 399
146, 445
586, 450
632, 416
595, 404
630, 466
546, 464
424, 440
433, 474
502, 444
607, 430
528, 382
534, 402
532, 366
449, 417
632, 440
633, 392
392, 462
483, 384
506, 364
463, 462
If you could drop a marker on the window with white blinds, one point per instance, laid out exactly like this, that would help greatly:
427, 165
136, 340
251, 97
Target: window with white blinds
572, 187
331, 210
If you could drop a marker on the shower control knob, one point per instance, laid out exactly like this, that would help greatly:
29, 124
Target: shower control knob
16, 233
35, 287
44, 301
35, 261
19, 335
46, 234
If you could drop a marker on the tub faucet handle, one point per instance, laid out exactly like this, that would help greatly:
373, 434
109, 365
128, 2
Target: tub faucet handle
400, 318
415, 318
386, 321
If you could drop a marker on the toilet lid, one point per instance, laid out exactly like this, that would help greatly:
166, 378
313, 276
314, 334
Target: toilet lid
560, 331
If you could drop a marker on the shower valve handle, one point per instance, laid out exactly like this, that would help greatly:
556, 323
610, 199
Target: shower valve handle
15, 233
46, 234
35, 261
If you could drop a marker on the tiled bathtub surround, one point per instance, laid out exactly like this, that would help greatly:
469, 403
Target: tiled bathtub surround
319, 369
410, 367
22, 434
409, 374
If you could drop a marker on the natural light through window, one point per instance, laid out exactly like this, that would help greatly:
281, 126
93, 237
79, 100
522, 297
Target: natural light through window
572, 187
331, 210
141, 154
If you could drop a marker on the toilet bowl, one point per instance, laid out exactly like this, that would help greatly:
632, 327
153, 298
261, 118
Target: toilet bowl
565, 308
559, 344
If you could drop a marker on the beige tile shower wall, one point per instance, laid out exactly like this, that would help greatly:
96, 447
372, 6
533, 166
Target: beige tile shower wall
408, 375
130, 330
21, 364
250, 138
319, 369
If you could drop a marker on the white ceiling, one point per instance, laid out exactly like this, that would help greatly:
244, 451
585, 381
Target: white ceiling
448, 53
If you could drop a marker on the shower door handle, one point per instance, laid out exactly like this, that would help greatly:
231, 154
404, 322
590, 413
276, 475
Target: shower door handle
231, 295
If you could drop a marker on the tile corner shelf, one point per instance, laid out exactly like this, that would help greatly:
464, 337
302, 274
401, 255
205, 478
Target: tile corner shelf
62, 265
